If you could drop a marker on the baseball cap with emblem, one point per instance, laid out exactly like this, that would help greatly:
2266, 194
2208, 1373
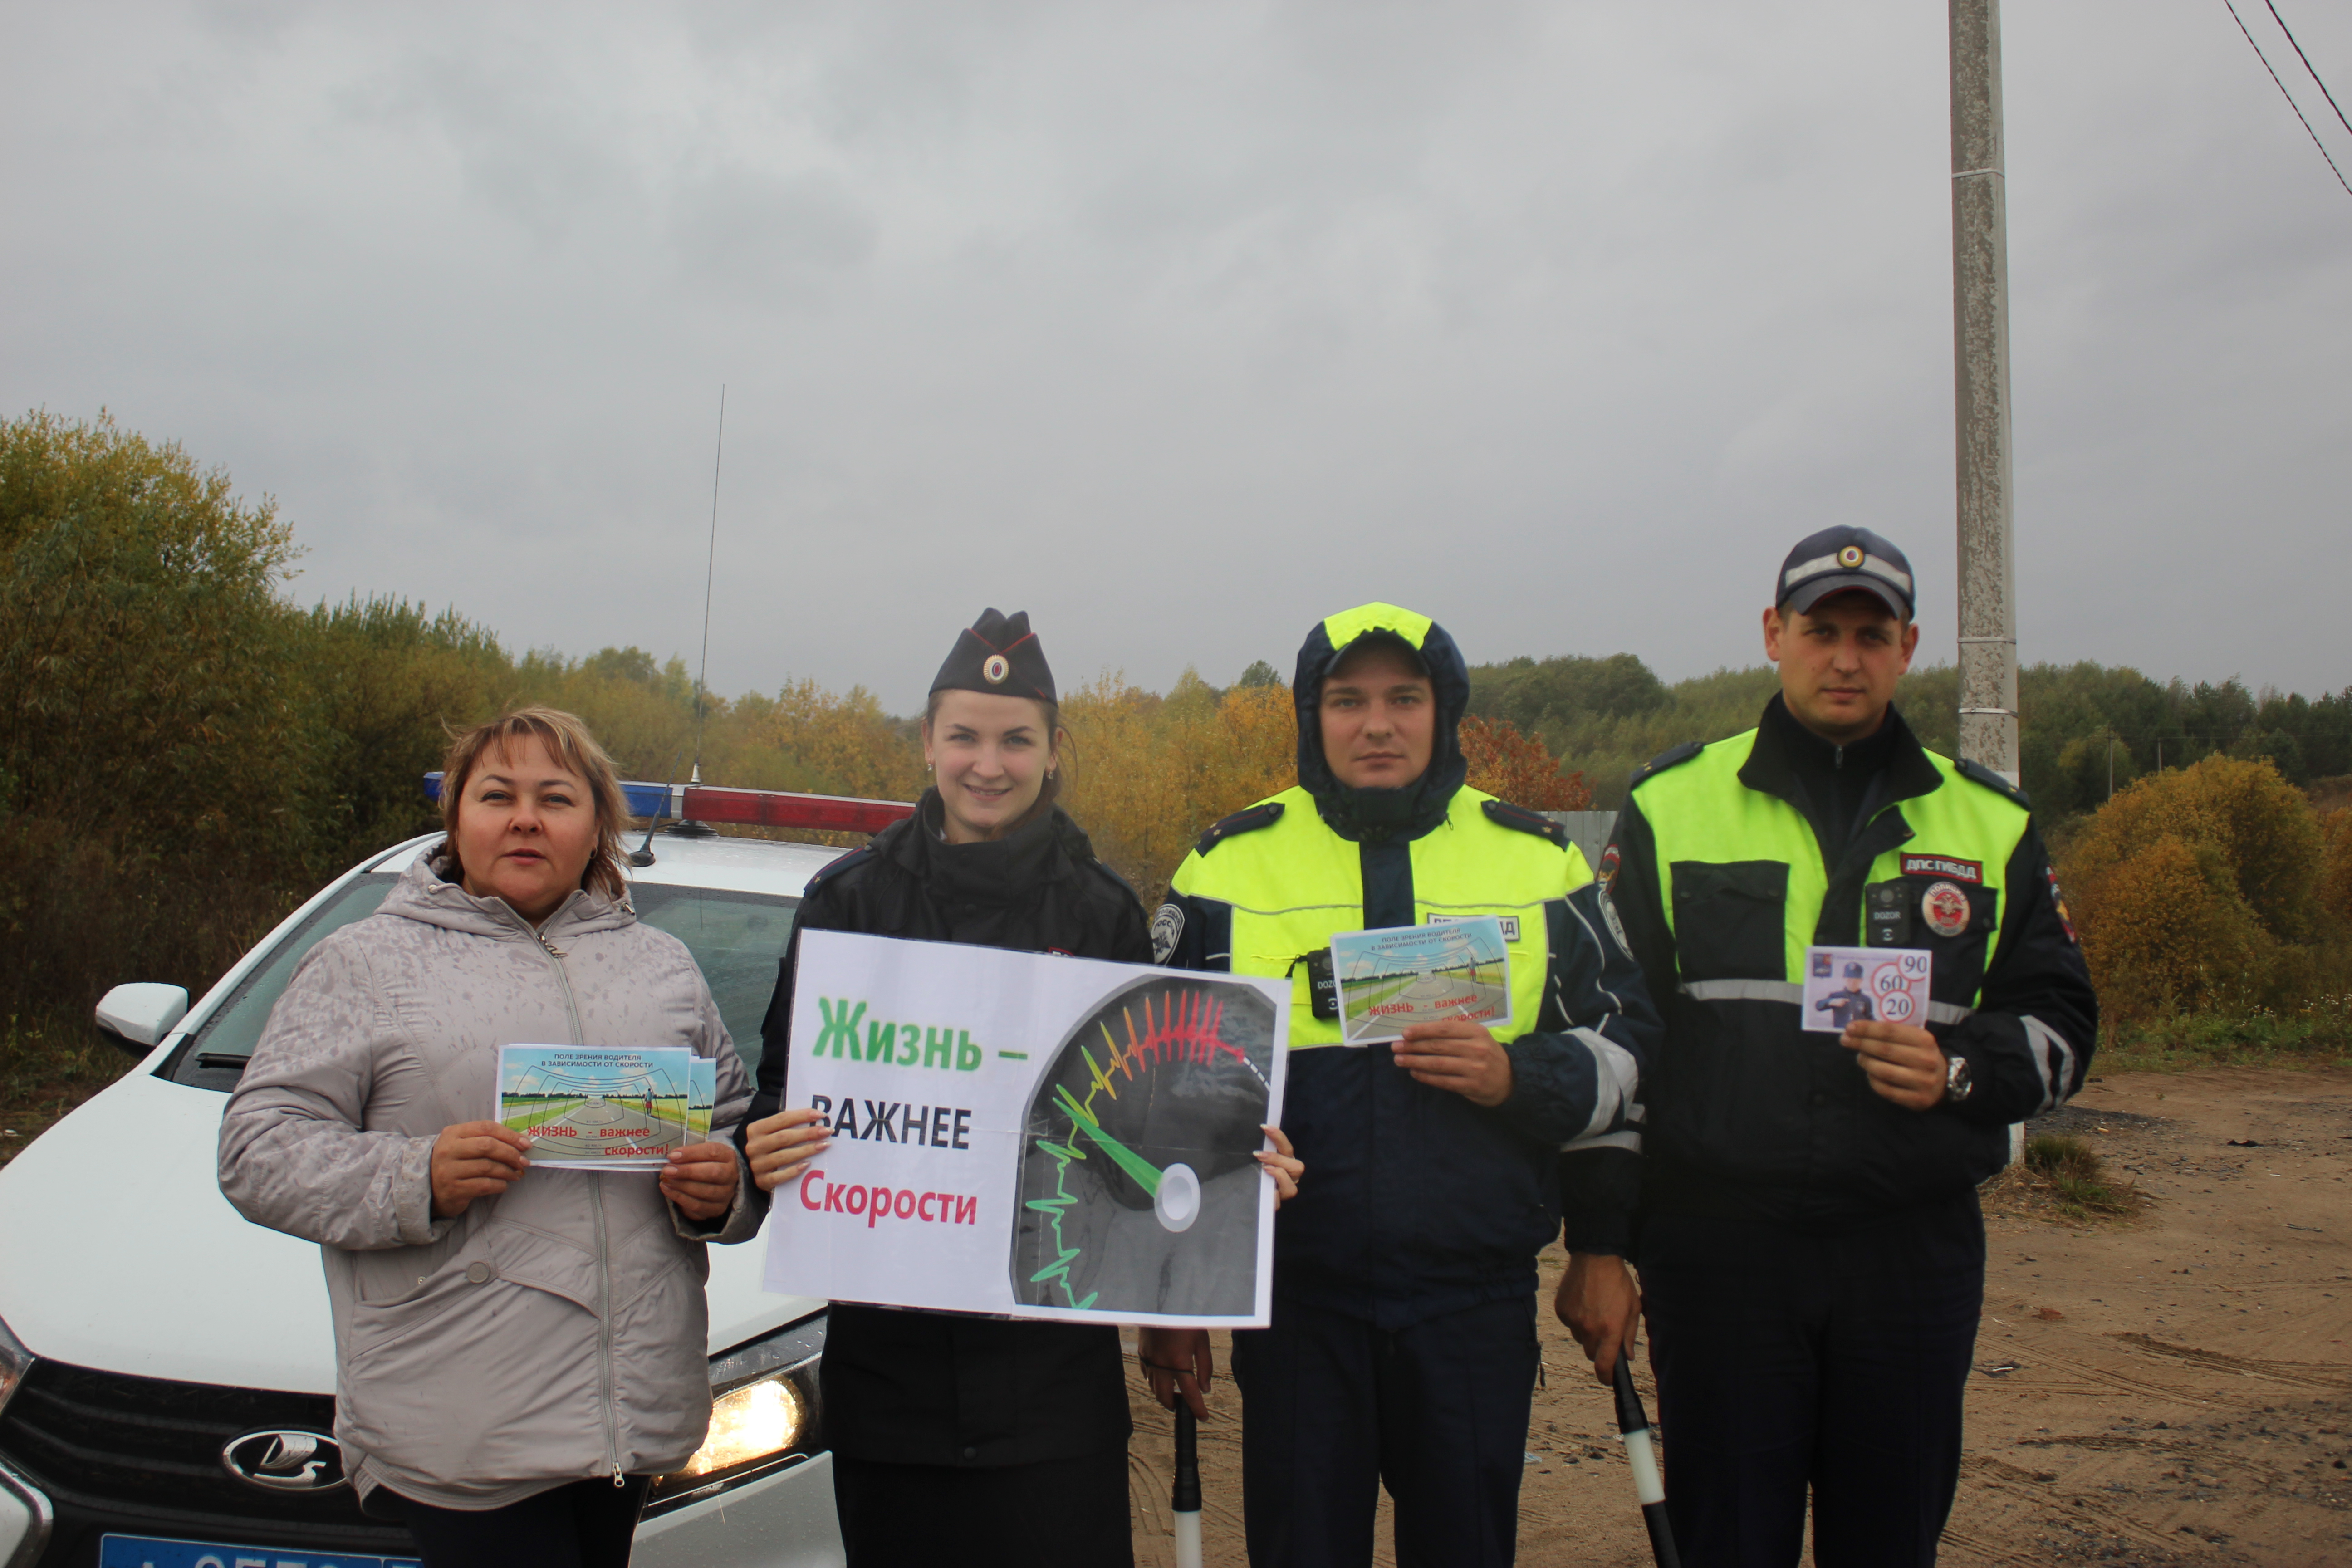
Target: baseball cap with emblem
1838, 559
998, 653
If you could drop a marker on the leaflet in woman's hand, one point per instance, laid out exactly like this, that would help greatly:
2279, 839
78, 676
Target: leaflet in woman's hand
598, 1109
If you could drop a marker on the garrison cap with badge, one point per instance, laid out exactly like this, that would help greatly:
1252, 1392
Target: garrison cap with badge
999, 653
1838, 559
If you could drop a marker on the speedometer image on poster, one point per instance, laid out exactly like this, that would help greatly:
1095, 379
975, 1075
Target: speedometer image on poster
1138, 1192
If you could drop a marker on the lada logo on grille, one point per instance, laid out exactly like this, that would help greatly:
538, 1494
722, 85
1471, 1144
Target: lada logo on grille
285, 1461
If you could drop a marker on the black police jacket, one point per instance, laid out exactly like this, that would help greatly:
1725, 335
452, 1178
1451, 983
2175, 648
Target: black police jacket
1747, 1116
935, 1388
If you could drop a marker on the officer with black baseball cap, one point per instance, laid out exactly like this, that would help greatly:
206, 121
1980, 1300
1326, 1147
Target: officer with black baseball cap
1802, 1205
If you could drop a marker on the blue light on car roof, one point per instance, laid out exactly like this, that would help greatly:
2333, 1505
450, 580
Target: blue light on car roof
645, 799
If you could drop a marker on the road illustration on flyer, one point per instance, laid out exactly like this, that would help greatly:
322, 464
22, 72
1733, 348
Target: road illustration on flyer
591, 1109
1394, 978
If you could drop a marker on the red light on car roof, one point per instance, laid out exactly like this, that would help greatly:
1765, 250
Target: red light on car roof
774, 808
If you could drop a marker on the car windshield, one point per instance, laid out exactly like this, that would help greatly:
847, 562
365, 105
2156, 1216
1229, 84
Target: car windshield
736, 939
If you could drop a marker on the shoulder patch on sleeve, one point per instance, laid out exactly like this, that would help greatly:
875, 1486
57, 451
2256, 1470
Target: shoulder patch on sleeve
1167, 931
1263, 815
1665, 760
1503, 813
1978, 773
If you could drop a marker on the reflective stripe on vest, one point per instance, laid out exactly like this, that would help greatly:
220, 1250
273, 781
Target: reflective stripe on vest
1791, 992
1295, 884
1702, 816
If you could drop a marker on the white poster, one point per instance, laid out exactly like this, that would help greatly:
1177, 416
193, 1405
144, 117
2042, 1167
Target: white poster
1030, 1135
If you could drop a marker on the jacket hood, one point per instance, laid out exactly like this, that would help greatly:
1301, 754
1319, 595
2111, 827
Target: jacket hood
1414, 808
429, 893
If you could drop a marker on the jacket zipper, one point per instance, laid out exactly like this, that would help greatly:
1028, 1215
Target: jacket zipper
596, 1209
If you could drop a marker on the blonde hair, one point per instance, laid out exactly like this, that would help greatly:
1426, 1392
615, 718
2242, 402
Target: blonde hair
567, 740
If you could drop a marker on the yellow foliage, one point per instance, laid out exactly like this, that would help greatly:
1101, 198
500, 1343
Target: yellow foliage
2334, 890
1150, 774
829, 744
2262, 825
2196, 885
2170, 931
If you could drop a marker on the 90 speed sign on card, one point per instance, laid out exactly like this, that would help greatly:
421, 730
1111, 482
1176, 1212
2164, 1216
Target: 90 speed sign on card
1030, 1135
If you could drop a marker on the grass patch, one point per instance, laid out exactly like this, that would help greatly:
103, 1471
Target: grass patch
48, 1065
2077, 1176
2319, 1032
2061, 1178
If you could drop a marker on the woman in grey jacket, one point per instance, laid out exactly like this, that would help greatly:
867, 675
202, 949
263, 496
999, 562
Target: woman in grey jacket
519, 1350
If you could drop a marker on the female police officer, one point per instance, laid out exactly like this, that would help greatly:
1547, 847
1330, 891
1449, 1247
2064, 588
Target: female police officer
1016, 1431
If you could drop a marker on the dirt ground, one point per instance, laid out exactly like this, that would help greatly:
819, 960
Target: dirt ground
2170, 1389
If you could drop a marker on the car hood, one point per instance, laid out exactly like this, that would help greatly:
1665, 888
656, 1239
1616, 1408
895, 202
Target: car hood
117, 1252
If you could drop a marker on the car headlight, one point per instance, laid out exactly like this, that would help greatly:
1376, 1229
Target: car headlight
15, 1361
764, 1416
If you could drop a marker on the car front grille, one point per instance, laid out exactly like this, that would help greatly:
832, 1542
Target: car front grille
121, 1452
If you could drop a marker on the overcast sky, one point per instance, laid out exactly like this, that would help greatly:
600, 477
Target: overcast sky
1182, 326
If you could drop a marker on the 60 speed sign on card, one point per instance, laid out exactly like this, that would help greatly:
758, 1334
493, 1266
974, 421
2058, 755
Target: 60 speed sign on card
1031, 1135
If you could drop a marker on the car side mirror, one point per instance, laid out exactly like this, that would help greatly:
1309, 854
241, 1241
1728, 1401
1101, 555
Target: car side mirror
139, 1014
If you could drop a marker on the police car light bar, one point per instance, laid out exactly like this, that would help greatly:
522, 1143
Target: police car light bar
777, 808
749, 807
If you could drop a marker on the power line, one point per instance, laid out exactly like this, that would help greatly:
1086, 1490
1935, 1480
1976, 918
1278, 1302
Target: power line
2291, 103
2309, 66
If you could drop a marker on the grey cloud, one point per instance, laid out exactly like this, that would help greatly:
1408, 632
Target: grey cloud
1181, 326
755, 238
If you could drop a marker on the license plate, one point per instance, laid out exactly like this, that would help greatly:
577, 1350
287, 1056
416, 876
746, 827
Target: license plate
150, 1552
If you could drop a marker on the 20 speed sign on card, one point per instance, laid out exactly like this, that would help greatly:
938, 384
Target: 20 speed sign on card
1860, 984
1031, 1135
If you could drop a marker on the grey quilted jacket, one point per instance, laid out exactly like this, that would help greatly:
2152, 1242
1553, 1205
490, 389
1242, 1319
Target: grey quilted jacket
548, 1334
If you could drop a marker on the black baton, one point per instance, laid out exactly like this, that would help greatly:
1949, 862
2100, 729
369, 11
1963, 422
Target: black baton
1649, 1486
1185, 1502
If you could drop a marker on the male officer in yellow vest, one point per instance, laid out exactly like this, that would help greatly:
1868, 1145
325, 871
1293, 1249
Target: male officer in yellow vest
1803, 1206
1402, 1348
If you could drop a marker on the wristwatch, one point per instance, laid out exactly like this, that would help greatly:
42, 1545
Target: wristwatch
1957, 1084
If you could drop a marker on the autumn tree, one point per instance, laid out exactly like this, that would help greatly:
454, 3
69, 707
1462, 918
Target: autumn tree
2197, 886
1517, 768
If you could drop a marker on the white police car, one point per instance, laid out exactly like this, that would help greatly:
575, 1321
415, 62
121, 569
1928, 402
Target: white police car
167, 1370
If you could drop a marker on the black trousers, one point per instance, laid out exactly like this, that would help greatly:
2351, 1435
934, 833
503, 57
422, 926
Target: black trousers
1333, 1408
1069, 1513
581, 1525
1790, 1362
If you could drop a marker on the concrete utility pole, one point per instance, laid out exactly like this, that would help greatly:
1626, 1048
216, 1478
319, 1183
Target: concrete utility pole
1980, 386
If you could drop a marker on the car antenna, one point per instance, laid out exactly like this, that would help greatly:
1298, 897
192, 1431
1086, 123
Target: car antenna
643, 855
685, 828
709, 575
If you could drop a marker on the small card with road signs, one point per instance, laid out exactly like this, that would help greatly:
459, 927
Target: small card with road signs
1857, 985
